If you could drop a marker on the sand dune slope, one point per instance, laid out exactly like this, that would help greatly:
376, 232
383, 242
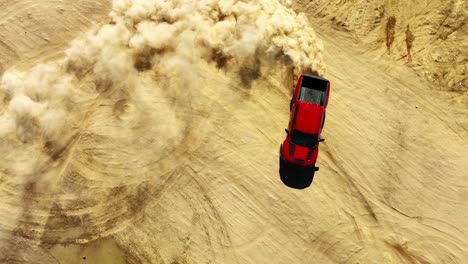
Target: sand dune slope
428, 35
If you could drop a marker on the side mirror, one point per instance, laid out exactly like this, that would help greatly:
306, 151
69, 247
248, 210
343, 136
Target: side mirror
321, 140
286, 130
316, 168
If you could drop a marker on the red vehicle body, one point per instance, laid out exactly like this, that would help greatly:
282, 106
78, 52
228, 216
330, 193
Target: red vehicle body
299, 151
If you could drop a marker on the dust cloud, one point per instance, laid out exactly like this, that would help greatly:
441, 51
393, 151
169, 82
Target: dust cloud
164, 36
161, 36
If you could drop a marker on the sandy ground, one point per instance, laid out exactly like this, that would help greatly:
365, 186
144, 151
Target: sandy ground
191, 175
33, 31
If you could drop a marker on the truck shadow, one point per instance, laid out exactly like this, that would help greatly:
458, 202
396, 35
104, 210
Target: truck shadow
295, 177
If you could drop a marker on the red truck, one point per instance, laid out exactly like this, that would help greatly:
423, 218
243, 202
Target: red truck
299, 151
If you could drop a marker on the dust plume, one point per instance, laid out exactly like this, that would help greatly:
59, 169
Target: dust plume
104, 114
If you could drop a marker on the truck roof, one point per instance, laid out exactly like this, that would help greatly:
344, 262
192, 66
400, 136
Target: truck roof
308, 117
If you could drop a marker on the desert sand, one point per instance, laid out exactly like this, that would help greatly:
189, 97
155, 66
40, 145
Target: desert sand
148, 132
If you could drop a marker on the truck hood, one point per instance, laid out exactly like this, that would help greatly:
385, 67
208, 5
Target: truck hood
298, 155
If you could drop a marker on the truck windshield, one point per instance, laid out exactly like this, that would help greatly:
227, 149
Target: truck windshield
304, 139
